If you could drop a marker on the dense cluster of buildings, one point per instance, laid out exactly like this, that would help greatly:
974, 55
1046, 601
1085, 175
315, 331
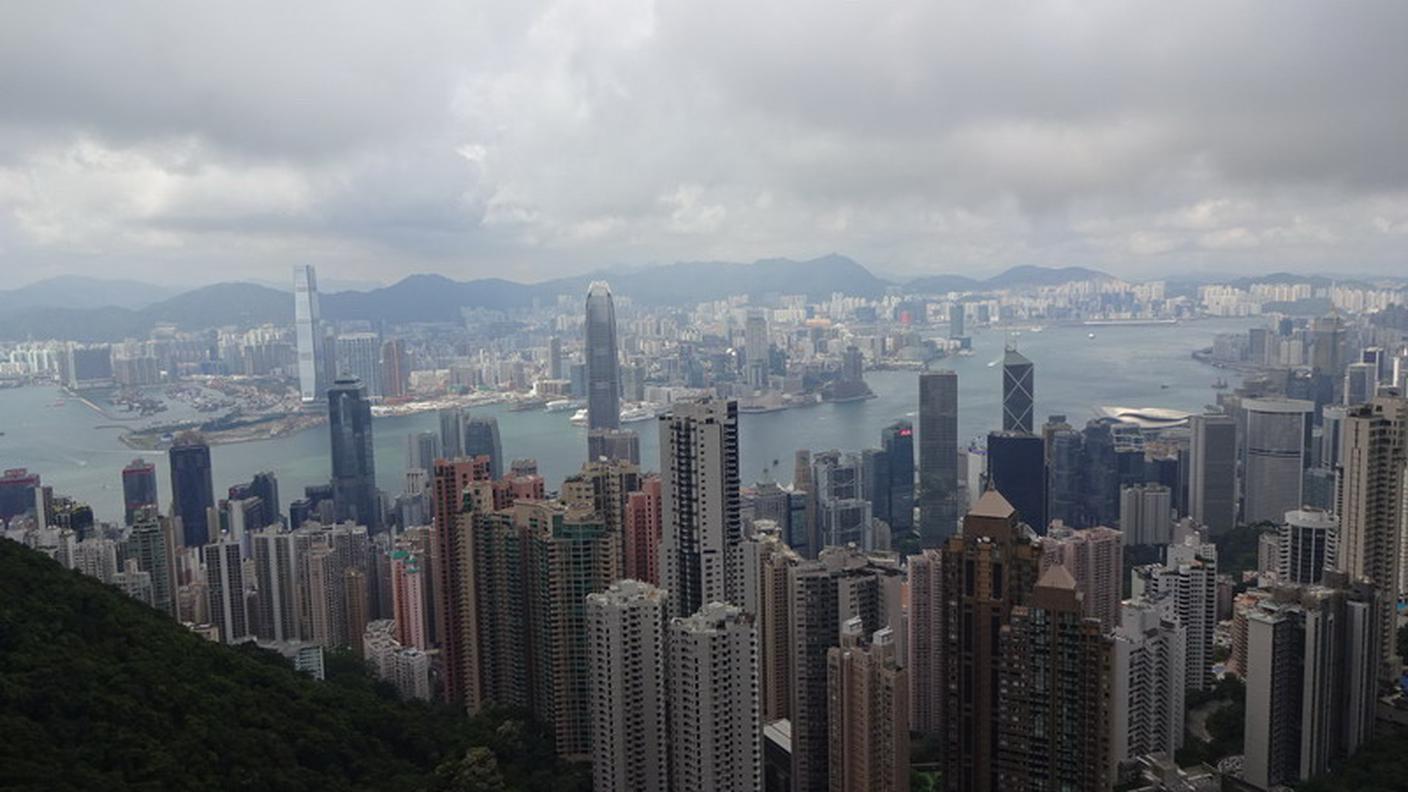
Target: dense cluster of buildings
683, 629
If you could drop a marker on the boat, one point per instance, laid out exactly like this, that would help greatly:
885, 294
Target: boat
1090, 335
562, 405
637, 413
579, 418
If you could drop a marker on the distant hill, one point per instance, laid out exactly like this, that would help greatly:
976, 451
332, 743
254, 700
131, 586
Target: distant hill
1015, 278
98, 691
80, 292
223, 304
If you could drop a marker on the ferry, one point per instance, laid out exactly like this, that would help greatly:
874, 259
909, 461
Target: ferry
633, 414
562, 405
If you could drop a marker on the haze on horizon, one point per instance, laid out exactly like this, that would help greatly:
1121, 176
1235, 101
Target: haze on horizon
169, 142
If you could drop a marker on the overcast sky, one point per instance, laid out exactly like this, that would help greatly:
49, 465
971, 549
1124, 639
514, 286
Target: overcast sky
196, 142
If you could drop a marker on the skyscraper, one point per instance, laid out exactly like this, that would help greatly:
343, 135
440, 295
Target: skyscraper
716, 732
152, 544
924, 665
615, 444
138, 488
1146, 514
755, 334
359, 357
1188, 579
354, 490
868, 712
1147, 704
897, 445
843, 514
938, 457
1212, 478
626, 656
1277, 454
453, 592
1307, 544
701, 524
1095, 558
481, 438
309, 334
603, 372
422, 449
767, 565
1018, 392
451, 432
643, 532
1017, 469
224, 580
192, 490
555, 358
395, 368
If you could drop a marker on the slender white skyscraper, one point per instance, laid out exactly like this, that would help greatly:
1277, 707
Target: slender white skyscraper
307, 324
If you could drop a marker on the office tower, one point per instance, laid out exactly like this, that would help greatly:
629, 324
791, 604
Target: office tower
804, 538
767, 562
481, 438
987, 569
265, 487
955, 320
408, 600
626, 660
755, 345
577, 379
603, 373
619, 444
716, 738
1054, 692
422, 449
1328, 353
395, 369
1065, 496
1212, 476
18, 488
453, 582
1147, 701
923, 663
355, 495
1018, 392
1146, 514
1312, 663
192, 491
1188, 577
359, 357
1306, 546
1360, 383
1331, 435
1277, 442
897, 446
699, 504
224, 580
138, 488
309, 335
1370, 507
555, 358
843, 514
868, 712
643, 531
1095, 558
823, 595
938, 457
1017, 469
451, 433
152, 544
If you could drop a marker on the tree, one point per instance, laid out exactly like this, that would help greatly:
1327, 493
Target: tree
476, 771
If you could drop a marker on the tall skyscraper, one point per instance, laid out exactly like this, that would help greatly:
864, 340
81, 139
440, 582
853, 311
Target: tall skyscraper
455, 623
354, 490
897, 446
1212, 477
701, 524
359, 357
868, 711
643, 532
955, 320
626, 657
481, 438
1186, 583
755, 334
1277, 454
152, 543
1328, 353
938, 457
308, 332
767, 564
843, 514
1147, 704
1370, 503
716, 731
138, 488
1095, 558
408, 600
1307, 545
422, 449
224, 580
924, 662
841, 584
1018, 392
395, 368
1053, 718
555, 370
192, 490
1360, 383
1017, 469
603, 368
451, 432
281, 575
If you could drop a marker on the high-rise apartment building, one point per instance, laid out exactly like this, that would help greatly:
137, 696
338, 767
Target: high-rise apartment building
453, 583
395, 369
1018, 392
613, 444
1212, 477
643, 532
1188, 578
308, 332
224, 581
755, 334
138, 488
152, 544
1147, 697
767, 563
422, 449
1276, 456
868, 712
1146, 514
192, 490
359, 357
408, 599
701, 524
603, 367
924, 664
626, 659
281, 576
1095, 558
1306, 546
716, 729
354, 492
938, 457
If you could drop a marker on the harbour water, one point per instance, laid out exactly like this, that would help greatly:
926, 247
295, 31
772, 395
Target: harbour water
79, 452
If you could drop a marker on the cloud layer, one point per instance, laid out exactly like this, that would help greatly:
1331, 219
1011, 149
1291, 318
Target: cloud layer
529, 139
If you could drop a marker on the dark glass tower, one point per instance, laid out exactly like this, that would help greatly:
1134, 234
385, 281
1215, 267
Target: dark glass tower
603, 374
1017, 470
938, 457
1018, 392
481, 438
138, 488
353, 468
192, 490
897, 442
